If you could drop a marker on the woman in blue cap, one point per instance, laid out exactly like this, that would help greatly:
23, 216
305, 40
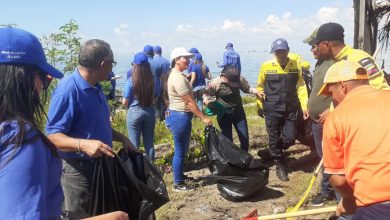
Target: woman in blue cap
199, 72
30, 168
138, 97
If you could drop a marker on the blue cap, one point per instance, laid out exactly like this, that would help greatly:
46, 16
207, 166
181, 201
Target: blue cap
148, 50
229, 45
279, 44
193, 50
198, 56
140, 58
18, 46
157, 49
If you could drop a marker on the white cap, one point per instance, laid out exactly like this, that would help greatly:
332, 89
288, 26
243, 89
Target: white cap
180, 52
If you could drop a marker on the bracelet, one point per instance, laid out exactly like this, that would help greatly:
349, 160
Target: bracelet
78, 148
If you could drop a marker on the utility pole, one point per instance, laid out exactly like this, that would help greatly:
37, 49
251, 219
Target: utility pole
366, 25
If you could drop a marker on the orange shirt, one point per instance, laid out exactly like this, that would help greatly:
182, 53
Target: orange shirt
356, 142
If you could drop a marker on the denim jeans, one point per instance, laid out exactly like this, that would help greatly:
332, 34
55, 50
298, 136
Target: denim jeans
179, 123
141, 121
316, 129
235, 117
198, 96
76, 182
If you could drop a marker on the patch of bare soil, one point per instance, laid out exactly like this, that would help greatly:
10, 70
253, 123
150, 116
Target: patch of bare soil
205, 202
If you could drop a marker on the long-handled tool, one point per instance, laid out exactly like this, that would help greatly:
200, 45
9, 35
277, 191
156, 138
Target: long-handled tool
313, 179
253, 215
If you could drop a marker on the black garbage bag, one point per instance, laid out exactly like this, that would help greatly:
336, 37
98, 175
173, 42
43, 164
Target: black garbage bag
130, 182
225, 158
238, 174
236, 188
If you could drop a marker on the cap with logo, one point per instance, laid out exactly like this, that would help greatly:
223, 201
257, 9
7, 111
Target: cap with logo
180, 52
18, 46
341, 71
329, 31
279, 44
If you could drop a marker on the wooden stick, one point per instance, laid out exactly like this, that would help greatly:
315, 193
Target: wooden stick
299, 213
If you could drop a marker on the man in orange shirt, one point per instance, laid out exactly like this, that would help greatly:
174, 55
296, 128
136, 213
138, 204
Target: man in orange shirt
356, 141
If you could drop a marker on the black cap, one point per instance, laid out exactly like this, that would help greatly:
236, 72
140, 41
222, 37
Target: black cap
329, 31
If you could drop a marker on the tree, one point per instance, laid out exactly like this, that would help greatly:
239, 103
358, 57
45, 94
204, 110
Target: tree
62, 48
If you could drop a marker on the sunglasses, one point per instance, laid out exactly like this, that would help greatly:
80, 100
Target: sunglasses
46, 79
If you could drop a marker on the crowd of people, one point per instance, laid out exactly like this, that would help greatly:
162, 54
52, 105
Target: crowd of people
46, 173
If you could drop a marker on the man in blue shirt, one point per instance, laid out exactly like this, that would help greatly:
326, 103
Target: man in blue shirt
160, 106
79, 124
230, 57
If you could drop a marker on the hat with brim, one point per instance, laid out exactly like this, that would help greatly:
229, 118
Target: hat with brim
329, 31
180, 52
342, 71
279, 44
311, 40
18, 46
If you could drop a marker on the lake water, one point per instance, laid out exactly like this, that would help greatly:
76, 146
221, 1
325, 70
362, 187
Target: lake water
250, 65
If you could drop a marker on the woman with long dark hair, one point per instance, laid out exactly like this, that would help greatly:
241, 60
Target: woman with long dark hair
30, 168
138, 97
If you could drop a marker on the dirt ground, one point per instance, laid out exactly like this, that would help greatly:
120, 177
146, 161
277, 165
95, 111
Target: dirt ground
205, 202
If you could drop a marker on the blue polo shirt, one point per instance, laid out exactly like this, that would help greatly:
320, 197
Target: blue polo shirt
30, 182
79, 110
164, 63
231, 57
157, 69
128, 93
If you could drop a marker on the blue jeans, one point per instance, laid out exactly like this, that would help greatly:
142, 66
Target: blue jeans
142, 121
235, 117
198, 96
179, 123
316, 130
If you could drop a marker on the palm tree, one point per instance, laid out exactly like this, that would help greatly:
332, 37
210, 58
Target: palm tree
382, 14
369, 15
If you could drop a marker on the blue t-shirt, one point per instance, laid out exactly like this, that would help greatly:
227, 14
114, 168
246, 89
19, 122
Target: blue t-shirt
200, 79
30, 182
128, 93
79, 110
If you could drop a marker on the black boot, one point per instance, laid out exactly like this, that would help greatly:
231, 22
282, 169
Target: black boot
281, 171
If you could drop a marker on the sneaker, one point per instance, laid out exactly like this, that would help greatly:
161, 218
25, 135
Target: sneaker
182, 188
320, 199
264, 154
187, 178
